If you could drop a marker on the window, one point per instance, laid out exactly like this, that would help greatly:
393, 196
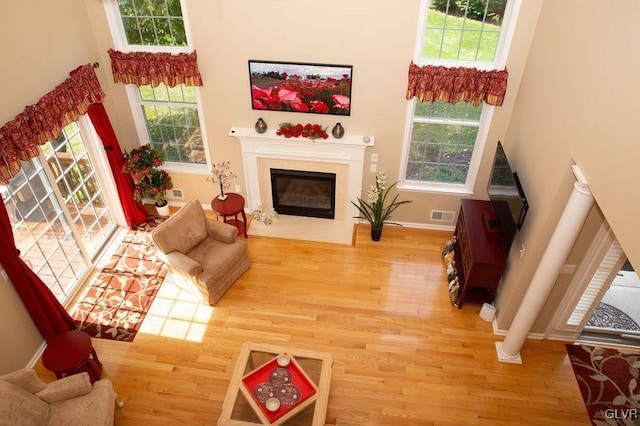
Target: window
77, 182
58, 212
153, 22
463, 30
171, 119
443, 142
167, 117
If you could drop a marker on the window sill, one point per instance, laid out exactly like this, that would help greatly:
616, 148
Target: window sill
435, 188
194, 169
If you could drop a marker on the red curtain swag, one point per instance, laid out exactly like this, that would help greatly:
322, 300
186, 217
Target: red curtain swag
39, 123
49, 316
142, 68
431, 83
133, 211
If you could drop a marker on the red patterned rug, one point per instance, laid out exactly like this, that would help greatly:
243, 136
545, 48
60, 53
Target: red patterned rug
608, 381
117, 300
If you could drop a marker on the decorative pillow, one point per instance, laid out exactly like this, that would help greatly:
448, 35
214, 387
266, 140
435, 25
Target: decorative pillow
67, 388
448, 247
26, 378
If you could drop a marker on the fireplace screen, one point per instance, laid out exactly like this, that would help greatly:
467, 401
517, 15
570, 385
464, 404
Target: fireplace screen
302, 193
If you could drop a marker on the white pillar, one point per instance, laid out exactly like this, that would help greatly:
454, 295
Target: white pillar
562, 240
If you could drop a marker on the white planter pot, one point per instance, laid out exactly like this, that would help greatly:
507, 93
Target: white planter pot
163, 211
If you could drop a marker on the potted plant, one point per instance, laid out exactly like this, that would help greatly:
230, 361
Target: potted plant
150, 182
374, 209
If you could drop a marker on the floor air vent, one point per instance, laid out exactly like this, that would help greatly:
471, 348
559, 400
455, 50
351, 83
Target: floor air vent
442, 216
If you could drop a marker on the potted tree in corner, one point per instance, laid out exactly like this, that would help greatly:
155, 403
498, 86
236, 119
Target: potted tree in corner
150, 182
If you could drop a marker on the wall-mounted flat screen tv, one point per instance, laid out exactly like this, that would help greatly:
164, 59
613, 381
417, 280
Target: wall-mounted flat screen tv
507, 198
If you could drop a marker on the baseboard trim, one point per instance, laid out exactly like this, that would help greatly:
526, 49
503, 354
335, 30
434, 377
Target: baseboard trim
36, 356
502, 332
429, 226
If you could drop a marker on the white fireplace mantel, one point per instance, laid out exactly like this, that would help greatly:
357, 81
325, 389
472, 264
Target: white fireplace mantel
347, 150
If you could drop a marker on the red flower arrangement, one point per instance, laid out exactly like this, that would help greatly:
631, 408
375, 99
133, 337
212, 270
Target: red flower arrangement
309, 131
150, 182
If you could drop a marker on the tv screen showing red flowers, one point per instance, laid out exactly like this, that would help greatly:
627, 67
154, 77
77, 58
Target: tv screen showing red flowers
301, 87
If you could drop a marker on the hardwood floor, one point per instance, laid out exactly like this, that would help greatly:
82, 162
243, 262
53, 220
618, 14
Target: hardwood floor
402, 353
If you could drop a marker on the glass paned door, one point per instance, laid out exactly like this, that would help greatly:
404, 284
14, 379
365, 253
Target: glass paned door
76, 180
41, 231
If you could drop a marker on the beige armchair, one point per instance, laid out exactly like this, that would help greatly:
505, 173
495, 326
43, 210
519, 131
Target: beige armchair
202, 249
27, 400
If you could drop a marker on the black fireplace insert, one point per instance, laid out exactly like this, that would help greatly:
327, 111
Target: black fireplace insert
304, 193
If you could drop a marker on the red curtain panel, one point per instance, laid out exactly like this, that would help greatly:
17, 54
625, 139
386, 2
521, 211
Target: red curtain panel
49, 316
133, 210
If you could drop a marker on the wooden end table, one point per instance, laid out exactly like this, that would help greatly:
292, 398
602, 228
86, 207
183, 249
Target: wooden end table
231, 207
236, 409
72, 353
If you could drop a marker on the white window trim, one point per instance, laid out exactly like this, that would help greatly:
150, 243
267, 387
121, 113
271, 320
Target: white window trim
500, 60
135, 102
102, 169
120, 38
120, 42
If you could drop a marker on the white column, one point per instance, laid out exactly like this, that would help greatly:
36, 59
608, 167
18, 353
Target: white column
562, 240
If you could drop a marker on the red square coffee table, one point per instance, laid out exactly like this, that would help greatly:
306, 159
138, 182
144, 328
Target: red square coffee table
310, 372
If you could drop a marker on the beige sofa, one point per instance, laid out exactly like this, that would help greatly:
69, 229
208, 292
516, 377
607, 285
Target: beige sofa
202, 249
26, 400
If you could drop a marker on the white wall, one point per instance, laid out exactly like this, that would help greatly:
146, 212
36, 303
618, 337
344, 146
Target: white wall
577, 103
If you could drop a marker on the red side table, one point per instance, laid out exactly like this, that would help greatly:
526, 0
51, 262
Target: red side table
72, 353
231, 207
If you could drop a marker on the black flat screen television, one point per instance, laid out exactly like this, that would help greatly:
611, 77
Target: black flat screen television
507, 199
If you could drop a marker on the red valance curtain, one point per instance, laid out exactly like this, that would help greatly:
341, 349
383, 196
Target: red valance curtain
431, 83
141, 68
47, 313
39, 123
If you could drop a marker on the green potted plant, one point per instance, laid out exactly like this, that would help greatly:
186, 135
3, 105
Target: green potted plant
374, 210
150, 182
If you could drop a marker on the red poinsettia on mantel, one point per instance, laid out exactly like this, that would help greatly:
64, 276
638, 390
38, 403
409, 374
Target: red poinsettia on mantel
310, 131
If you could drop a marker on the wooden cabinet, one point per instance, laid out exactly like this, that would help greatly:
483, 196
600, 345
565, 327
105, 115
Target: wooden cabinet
479, 257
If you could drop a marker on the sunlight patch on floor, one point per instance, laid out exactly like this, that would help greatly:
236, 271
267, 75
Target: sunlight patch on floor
178, 311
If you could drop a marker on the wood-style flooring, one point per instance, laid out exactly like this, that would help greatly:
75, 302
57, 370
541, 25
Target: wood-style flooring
402, 353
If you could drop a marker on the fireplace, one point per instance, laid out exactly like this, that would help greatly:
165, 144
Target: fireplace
342, 157
304, 193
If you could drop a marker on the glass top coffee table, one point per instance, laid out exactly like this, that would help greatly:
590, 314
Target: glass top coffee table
239, 406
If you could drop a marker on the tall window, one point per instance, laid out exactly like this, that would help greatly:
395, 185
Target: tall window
443, 142
167, 117
58, 212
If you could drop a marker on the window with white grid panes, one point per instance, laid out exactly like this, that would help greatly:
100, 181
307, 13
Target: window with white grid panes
443, 141
463, 30
153, 22
171, 120
41, 230
168, 118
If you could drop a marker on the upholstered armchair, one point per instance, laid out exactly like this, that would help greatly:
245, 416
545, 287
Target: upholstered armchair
27, 400
202, 249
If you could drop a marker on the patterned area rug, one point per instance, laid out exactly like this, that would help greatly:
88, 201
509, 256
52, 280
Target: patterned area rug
115, 303
607, 316
608, 381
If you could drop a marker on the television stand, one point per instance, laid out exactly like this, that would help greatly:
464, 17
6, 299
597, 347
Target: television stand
479, 256
491, 223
